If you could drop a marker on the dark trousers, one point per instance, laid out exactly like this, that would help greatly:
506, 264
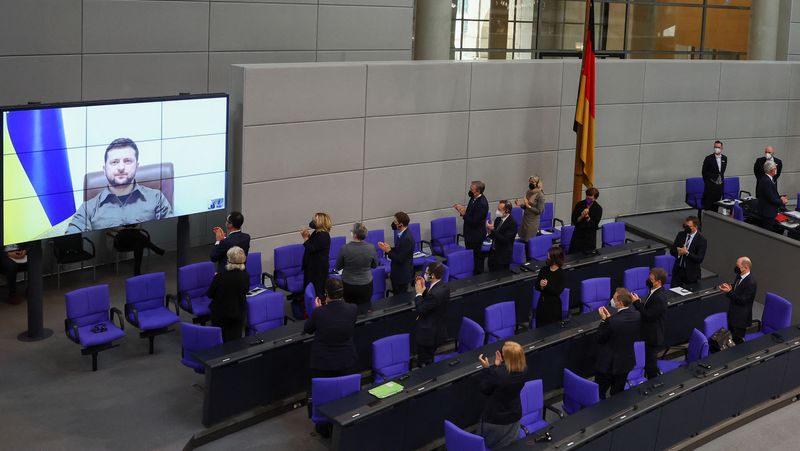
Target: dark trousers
680, 278
10, 269
425, 354
495, 266
398, 288
477, 254
360, 295
128, 240
738, 334
651, 360
614, 381
769, 224
712, 193
231, 327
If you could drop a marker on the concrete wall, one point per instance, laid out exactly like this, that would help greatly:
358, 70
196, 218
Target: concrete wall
361, 141
794, 32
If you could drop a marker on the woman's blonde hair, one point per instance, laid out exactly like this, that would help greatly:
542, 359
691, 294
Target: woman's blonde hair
236, 259
537, 182
323, 221
514, 357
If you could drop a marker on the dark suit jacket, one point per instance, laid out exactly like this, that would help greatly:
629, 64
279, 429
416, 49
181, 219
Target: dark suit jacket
316, 250
402, 256
431, 313
475, 220
740, 312
615, 338
710, 170
219, 251
694, 259
503, 241
333, 326
584, 238
769, 201
227, 293
652, 311
758, 169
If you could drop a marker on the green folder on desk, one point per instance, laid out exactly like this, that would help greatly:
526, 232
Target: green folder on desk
386, 390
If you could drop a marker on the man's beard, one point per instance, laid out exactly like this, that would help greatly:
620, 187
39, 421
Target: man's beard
113, 181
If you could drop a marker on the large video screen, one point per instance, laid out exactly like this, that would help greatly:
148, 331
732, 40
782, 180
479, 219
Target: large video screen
77, 168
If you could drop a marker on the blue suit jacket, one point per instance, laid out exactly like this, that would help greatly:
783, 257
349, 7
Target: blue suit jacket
220, 250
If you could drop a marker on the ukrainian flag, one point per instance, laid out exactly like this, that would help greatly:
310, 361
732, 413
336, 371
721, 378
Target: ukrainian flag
37, 184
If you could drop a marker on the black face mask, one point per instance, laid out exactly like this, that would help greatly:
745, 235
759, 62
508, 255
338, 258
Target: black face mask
649, 283
531, 186
312, 225
687, 229
470, 194
737, 270
394, 226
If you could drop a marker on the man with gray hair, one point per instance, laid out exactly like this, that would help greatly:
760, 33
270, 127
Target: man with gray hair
769, 201
758, 168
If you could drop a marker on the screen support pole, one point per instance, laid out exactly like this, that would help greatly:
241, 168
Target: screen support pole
36, 330
183, 241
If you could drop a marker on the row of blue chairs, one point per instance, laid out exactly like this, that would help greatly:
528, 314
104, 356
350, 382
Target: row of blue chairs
695, 188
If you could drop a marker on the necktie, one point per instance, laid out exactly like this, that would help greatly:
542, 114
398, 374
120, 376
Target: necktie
736, 283
686, 245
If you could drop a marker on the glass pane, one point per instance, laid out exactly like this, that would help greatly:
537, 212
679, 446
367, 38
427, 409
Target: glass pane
459, 8
561, 24
525, 9
660, 29
523, 36
730, 2
727, 30
611, 35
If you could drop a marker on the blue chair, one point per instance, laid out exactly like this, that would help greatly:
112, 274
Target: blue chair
470, 336
457, 439
337, 242
714, 322
533, 414
665, 262
378, 284
446, 275
538, 247
146, 306
196, 338
390, 357
254, 270
566, 237
193, 283
698, 349
635, 280
730, 188
636, 375
89, 320
613, 234
414, 229
518, 256
501, 320
694, 192
595, 293
777, 315
738, 212
487, 243
564, 305
329, 389
288, 274
309, 299
516, 213
374, 237
265, 311
579, 393
444, 237
461, 264
547, 221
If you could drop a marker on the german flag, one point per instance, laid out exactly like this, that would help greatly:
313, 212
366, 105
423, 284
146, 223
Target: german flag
584, 112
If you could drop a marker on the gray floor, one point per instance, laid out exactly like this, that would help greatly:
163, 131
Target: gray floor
51, 400
776, 431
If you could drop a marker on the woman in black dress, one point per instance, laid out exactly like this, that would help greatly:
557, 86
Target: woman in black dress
227, 293
551, 282
317, 244
586, 218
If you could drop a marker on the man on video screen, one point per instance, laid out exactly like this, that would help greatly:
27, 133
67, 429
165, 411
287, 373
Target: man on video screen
123, 201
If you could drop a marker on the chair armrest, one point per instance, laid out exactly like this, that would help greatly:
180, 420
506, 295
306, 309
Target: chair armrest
131, 309
111, 312
520, 327
555, 220
171, 298
755, 322
145, 232
458, 235
495, 335
387, 292
91, 243
287, 319
628, 240
188, 303
554, 410
69, 324
749, 194
271, 278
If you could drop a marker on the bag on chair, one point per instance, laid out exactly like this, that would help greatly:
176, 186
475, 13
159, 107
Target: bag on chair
721, 339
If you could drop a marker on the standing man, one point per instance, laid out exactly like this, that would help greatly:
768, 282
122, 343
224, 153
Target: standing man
235, 237
401, 255
431, 311
769, 201
652, 311
615, 337
586, 216
474, 215
689, 250
714, 177
758, 168
503, 232
741, 294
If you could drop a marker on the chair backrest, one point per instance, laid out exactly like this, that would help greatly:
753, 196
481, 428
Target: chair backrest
613, 234
309, 298
635, 280
194, 279
87, 306
337, 242
328, 389
546, 218
443, 233
289, 267
636, 375
415, 232
698, 346
470, 335
457, 439
254, 268
532, 399
446, 275
738, 212
195, 338
694, 192
461, 264
158, 176
565, 303
390, 356
265, 311
595, 292
67, 244
665, 262
777, 313
375, 236
501, 320
518, 256
147, 291
730, 188
566, 237
378, 283
714, 322
579, 393
538, 246
516, 213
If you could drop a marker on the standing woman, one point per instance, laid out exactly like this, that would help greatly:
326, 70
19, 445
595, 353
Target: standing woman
586, 218
356, 261
227, 293
551, 282
532, 207
317, 244
502, 383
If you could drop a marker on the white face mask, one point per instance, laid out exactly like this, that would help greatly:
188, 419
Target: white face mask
498, 214
611, 303
717, 151
768, 156
427, 277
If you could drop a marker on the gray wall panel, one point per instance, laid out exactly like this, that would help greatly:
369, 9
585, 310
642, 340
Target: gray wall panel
301, 149
617, 201
790, 155
754, 81
403, 3
618, 124
506, 177
793, 121
262, 26
409, 139
517, 84
422, 87
672, 161
673, 81
500, 132
742, 153
794, 39
363, 55
661, 196
220, 64
686, 121
36, 27
617, 81
794, 82
40, 79
566, 167
620, 166
751, 119
364, 28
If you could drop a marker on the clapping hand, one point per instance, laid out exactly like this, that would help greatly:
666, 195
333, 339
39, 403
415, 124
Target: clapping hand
635, 297
305, 233
604, 314
484, 361
489, 226
419, 285
683, 250
384, 247
543, 283
219, 234
725, 287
